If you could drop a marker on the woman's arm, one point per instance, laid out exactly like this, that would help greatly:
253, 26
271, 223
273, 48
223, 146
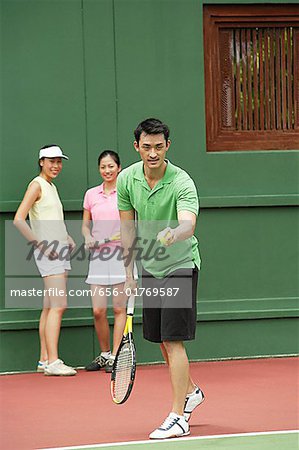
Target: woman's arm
32, 194
86, 223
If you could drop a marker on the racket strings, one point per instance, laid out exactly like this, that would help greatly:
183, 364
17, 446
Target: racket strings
123, 370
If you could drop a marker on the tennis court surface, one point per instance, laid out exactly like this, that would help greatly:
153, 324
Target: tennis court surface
250, 404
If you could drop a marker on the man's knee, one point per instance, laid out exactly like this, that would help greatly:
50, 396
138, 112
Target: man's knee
173, 346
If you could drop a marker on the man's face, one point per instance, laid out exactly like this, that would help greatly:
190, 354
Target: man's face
152, 149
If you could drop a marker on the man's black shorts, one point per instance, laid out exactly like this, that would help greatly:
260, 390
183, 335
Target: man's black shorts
169, 306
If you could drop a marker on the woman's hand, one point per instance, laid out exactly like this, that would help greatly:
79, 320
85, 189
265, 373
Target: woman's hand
90, 242
45, 250
71, 243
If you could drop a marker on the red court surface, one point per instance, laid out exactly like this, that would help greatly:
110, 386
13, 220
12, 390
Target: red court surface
241, 396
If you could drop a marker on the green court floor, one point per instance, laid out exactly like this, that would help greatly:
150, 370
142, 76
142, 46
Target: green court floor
286, 441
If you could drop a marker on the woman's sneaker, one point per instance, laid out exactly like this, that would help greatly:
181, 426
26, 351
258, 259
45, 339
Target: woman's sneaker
192, 401
97, 364
173, 426
41, 366
58, 368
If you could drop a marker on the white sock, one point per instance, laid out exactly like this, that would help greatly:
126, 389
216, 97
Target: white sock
112, 356
53, 362
106, 355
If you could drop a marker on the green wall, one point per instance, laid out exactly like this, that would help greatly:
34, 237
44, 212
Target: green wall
83, 74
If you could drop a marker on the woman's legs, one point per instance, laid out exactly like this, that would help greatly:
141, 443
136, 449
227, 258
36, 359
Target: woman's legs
42, 325
51, 321
100, 317
101, 324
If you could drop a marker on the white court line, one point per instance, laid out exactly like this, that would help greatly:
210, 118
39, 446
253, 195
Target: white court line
156, 441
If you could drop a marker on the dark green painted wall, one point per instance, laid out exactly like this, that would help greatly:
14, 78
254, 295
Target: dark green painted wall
83, 74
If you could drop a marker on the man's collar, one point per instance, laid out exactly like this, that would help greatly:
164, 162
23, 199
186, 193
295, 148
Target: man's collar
167, 177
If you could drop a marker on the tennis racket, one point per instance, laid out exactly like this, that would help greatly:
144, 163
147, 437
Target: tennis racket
124, 367
114, 237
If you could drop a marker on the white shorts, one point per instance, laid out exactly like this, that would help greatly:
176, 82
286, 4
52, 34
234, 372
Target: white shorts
49, 267
108, 271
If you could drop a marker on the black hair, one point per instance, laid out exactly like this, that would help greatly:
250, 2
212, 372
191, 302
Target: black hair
151, 126
49, 145
111, 153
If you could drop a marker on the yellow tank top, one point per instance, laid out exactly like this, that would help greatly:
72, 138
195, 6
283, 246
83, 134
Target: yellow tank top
46, 214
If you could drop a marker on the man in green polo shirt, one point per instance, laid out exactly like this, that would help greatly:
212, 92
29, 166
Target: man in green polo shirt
162, 199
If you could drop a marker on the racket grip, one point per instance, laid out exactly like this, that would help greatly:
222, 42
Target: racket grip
131, 303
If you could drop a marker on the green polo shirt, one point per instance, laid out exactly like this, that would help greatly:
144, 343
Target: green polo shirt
158, 208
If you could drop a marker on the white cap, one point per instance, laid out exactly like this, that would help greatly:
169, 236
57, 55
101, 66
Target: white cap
52, 152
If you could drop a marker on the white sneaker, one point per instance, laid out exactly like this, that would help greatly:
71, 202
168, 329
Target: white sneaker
192, 401
173, 426
59, 368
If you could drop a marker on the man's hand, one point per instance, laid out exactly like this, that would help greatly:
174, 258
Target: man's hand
166, 236
185, 229
130, 285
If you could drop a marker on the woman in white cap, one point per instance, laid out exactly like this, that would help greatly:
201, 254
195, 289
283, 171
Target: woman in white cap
48, 234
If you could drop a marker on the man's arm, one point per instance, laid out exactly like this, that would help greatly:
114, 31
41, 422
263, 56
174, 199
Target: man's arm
128, 233
187, 211
187, 224
185, 229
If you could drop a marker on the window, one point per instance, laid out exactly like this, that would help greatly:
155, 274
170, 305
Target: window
252, 77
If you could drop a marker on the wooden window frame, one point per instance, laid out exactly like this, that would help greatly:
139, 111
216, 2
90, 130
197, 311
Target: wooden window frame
240, 16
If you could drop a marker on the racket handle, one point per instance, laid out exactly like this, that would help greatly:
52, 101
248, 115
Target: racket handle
131, 303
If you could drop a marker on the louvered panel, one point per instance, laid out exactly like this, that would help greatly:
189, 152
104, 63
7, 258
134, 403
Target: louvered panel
249, 76
290, 118
283, 80
252, 77
257, 78
262, 80
226, 52
272, 79
296, 77
278, 79
244, 79
267, 80
238, 106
